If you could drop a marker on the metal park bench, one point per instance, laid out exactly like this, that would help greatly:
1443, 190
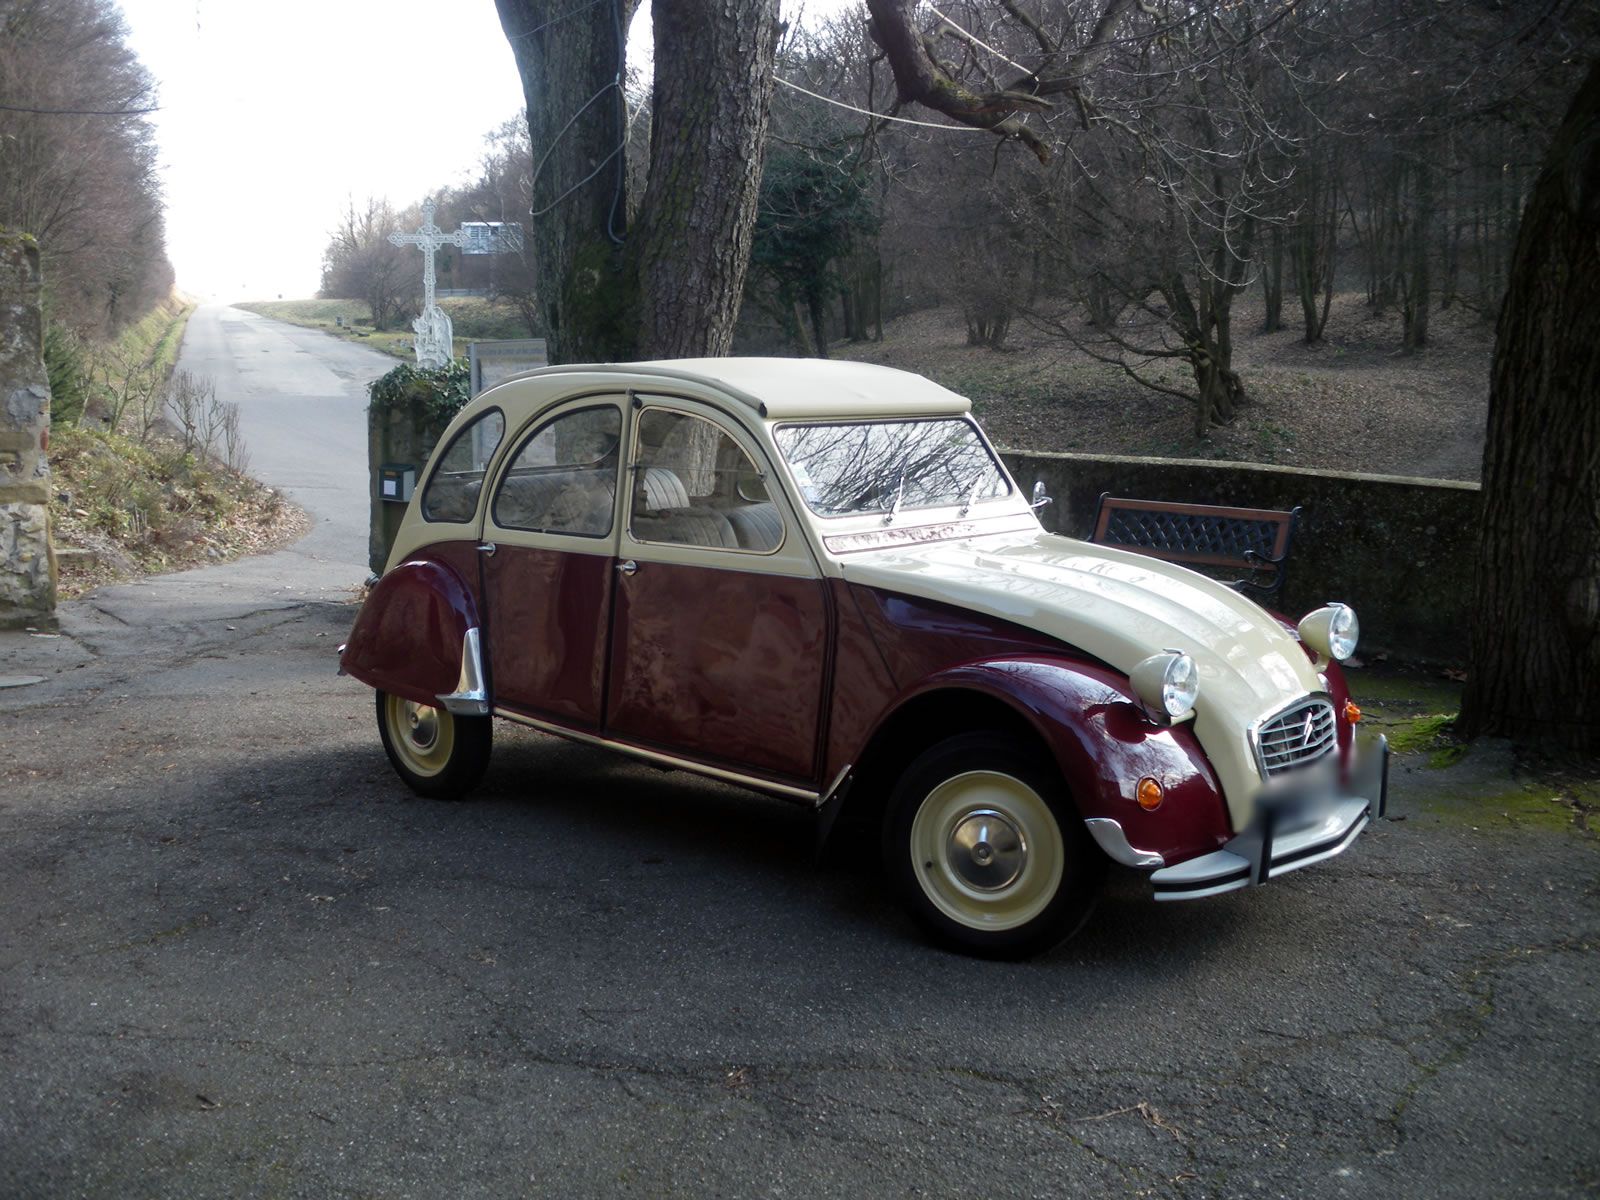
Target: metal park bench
1209, 536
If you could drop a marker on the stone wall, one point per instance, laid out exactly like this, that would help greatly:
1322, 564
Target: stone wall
1398, 550
27, 562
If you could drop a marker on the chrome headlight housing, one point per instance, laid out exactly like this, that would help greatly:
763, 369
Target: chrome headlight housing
1332, 631
1168, 684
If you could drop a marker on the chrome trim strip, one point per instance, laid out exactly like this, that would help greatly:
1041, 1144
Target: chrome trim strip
1228, 870
471, 698
838, 782
1114, 842
753, 782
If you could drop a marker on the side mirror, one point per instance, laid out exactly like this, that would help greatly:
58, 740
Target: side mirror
1039, 497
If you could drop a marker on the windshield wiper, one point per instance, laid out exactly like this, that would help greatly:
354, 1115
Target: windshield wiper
899, 493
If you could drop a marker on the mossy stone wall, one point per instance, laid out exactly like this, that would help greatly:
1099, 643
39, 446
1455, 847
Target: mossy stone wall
27, 561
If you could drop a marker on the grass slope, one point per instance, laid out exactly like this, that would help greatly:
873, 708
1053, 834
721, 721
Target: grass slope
473, 317
125, 503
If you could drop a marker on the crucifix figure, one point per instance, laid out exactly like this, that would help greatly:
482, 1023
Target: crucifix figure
434, 342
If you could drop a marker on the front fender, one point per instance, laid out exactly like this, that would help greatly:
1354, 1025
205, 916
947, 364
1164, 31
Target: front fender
411, 635
1104, 745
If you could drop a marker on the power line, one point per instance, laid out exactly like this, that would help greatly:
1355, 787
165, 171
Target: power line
867, 112
81, 112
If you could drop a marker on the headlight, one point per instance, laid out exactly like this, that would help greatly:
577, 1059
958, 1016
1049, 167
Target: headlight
1168, 683
1332, 631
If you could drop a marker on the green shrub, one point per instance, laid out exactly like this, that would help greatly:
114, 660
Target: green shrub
66, 363
431, 396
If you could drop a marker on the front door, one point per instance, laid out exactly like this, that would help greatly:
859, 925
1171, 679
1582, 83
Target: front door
720, 629
551, 521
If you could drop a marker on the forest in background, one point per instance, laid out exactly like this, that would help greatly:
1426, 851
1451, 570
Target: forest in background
1288, 151
147, 466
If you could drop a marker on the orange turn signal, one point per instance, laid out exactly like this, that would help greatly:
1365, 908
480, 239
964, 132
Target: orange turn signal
1352, 713
1150, 794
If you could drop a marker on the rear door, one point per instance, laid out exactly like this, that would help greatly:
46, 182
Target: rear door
549, 545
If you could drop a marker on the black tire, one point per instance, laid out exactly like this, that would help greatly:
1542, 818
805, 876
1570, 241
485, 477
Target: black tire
437, 753
985, 848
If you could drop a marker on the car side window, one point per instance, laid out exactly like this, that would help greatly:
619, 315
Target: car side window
564, 476
693, 486
452, 491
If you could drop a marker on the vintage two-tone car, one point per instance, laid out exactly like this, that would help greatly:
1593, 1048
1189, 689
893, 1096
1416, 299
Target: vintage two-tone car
817, 580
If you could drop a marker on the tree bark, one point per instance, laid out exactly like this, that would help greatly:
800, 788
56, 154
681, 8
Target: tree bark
669, 286
571, 67
1417, 267
708, 135
1535, 642
1272, 283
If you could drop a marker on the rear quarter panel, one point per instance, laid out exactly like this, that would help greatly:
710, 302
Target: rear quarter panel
407, 636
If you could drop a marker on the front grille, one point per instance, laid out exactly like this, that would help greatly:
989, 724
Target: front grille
1296, 736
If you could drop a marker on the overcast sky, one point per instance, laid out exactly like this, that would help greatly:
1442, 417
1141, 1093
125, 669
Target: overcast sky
274, 111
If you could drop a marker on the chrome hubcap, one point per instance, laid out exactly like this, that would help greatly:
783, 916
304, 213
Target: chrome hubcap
419, 734
424, 725
987, 851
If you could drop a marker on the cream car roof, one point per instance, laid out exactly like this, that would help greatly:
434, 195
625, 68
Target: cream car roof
787, 388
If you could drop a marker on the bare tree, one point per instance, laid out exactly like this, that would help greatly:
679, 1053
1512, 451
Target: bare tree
360, 263
78, 159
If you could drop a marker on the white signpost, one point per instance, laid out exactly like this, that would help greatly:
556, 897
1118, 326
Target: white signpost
435, 344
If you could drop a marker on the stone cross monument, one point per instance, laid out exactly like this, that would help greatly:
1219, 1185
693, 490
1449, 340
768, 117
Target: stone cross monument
434, 342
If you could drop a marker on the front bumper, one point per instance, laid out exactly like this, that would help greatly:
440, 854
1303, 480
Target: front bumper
1286, 836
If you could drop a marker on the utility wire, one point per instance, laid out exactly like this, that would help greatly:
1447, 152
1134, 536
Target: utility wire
517, 37
81, 112
867, 112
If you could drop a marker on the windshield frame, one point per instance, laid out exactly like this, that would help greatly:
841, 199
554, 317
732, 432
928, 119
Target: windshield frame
889, 510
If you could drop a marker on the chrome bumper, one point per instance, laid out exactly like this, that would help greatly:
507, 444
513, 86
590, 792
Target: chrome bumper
1281, 841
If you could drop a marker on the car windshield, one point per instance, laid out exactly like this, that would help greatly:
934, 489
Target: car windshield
885, 466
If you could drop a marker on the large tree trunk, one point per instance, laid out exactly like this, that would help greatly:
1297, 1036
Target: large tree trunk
571, 65
1535, 669
708, 132
674, 289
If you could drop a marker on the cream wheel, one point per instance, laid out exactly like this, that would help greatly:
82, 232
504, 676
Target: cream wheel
437, 753
987, 849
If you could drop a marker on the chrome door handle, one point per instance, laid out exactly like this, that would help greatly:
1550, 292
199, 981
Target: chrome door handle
627, 566
486, 548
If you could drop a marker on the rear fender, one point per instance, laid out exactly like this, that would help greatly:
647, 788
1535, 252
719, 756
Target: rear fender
1104, 745
417, 637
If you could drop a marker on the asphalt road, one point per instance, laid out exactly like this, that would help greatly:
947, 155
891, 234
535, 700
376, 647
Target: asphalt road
238, 959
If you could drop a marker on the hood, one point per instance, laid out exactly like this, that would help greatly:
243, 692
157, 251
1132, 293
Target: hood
1120, 608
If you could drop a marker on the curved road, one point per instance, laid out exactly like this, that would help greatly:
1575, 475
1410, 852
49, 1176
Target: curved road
303, 398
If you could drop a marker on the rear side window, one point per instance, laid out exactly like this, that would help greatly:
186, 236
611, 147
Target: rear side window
452, 492
564, 477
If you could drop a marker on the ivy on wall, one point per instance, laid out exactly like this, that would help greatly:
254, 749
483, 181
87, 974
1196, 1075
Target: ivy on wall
431, 396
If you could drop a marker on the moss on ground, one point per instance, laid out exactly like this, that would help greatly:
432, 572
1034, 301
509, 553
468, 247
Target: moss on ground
1532, 805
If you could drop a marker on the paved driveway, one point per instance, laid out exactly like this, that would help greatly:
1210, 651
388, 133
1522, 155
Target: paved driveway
238, 959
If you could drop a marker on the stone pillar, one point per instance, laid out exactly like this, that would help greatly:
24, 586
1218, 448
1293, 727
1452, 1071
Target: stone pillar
394, 435
27, 562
